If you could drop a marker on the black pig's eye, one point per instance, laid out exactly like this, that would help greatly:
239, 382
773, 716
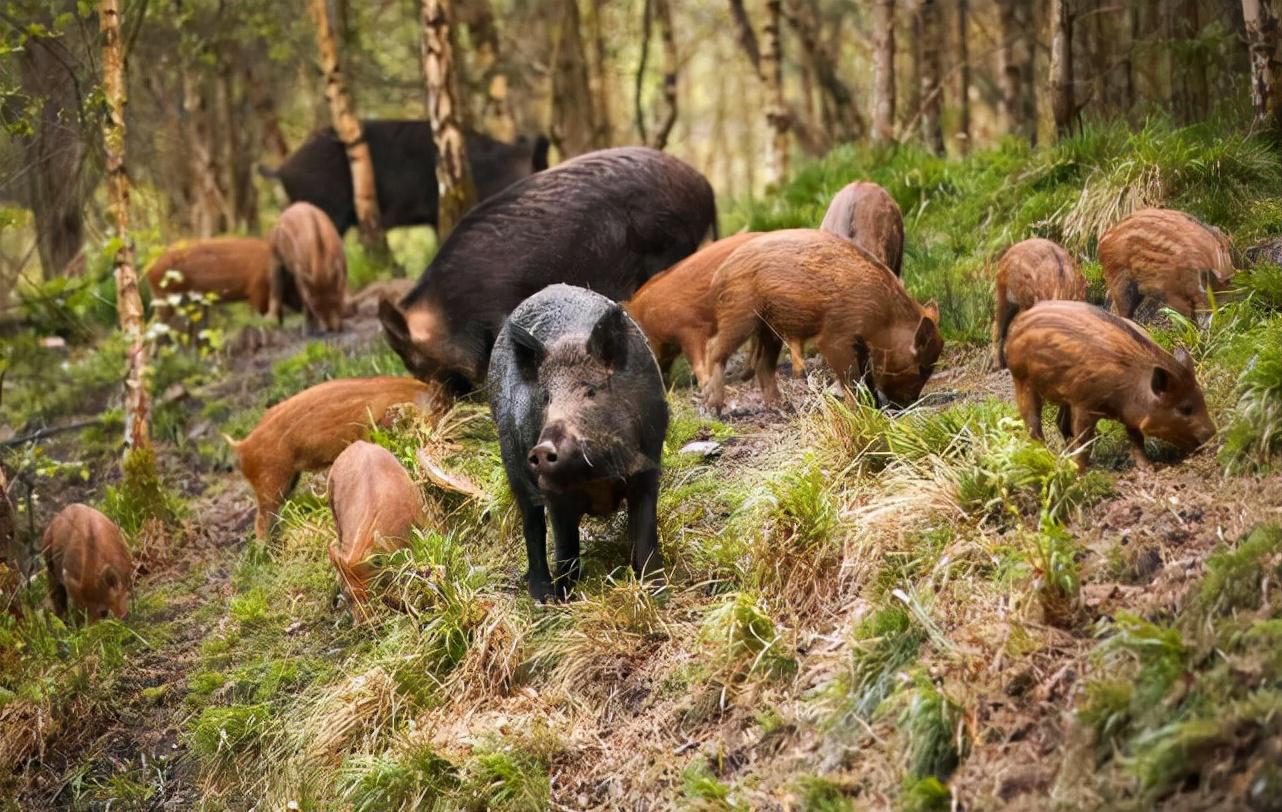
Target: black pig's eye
590, 392
546, 398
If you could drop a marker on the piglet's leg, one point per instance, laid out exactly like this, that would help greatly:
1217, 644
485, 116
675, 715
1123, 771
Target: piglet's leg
768, 346
1030, 408
1138, 456
536, 551
643, 523
565, 533
796, 350
1083, 433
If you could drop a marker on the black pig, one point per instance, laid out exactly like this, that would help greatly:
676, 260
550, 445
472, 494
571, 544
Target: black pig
579, 404
404, 157
607, 220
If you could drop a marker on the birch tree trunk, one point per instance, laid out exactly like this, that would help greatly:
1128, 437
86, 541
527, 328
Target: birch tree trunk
453, 173
348, 127
1262, 42
1063, 107
128, 300
883, 110
963, 77
931, 92
777, 115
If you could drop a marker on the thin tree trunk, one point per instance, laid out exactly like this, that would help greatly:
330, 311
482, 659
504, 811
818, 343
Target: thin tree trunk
1015, 57
963, 78
1126, 71
348, 127
598, 79
638, 95
128, 300
747, 34
916, 71
264, 105
932, 43
777, 115
1196, 89
209, 200
453, 174
663, 14
838, 99
883, 109
574, 129
496, 109
1262, 44
1063, 107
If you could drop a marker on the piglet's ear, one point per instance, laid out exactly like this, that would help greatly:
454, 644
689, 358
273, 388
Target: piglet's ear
931, 310
926, 329
110, 578
609, 339
528, 350
1161, 382
1185, 360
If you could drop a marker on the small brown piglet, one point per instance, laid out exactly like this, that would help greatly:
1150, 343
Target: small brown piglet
804, 284
1029, 272
869, 217
309, 431
307, 250
376, 505
675, 308
1166, 254
88, 563
235, 268
1095, 365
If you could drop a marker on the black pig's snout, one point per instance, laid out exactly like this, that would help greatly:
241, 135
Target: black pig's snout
555, 450
543, 456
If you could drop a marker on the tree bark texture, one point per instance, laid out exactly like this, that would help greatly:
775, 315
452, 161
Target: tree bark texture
667, 36
1063, 106
453, 174
487, 61
348, 127
574, 129
747, 34
836, 97
963, 77
931, 92
128, 300
1262, 45
883, 111
778, 118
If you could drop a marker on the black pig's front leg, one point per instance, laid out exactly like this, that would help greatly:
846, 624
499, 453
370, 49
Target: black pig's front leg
565, 533
536, 552
643, 523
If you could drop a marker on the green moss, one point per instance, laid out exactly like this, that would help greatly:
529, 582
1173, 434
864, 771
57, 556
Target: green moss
1235, 578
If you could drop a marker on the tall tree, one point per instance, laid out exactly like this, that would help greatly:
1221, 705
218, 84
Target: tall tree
453, 174
667, 36
348, 127
1262, 41
841, 116
128, 300
488, 69
963, 76
883, 110
1016, 61
778, 117
931, 91
1063, 106
574, 128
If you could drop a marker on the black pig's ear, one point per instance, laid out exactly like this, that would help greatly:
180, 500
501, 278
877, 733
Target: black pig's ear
609, 339
1161, 382
527, 349
393, 320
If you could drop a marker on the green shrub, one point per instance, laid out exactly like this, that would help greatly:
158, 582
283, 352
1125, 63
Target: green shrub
415, 779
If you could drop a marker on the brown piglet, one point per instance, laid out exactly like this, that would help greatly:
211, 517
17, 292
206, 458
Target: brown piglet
236, 269
866, 215
802, 284
307, 251
90, 568
1166, 254
1029, 272
376, 506
675, 308
1095, 365
308, 431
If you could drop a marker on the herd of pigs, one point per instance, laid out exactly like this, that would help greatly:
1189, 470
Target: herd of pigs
567, 296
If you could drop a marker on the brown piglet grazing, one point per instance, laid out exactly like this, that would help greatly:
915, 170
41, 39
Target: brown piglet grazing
675, 308
1166, 254
866, 215
1029, 272
376, 506
308, 431
801, 284
234, 268
90, 568
307, 251
1095, 365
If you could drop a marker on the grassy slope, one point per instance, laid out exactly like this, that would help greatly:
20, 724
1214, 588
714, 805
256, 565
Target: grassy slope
862, 611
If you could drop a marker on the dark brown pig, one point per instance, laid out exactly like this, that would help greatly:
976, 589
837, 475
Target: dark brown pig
236, 269
1095, 365
1029, 272
674, 309
308, 253
1166, 254
803, 284
581, 413
606, 221
376, 507
308, 431
89, 565
866, 215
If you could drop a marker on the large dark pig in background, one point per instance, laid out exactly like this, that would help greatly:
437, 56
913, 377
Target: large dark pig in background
606, 221
581, 415
404, 157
